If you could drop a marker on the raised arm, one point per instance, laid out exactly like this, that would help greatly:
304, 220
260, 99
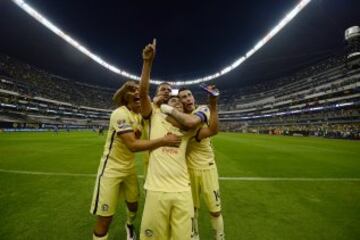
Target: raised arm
148, 58
213, 128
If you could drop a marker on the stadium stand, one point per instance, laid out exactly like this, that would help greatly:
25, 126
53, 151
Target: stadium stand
33, 99
321, 100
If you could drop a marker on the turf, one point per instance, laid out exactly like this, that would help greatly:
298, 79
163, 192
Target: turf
57, 207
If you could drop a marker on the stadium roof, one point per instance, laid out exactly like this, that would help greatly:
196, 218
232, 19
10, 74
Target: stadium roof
194, 38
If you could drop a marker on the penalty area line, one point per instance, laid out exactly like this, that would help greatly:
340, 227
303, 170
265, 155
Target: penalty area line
248, 179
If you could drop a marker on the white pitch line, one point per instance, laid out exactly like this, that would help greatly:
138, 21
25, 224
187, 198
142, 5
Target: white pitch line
289, 179
48, 173
249, 179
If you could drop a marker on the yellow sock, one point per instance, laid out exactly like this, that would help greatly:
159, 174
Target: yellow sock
218, 225
196, 221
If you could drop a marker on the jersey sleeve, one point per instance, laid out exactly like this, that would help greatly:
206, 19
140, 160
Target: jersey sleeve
203, 112
121, 122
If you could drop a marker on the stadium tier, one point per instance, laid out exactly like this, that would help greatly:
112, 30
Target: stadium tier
320, 100
32, 98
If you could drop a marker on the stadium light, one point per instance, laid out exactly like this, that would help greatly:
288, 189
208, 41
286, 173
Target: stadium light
47, 23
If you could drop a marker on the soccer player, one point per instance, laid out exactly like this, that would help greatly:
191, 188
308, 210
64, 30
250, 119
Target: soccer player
168, 206
163, 92
168, 210
201, 162
116, 173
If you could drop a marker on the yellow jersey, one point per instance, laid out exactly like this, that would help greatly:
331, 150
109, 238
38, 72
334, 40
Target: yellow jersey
116, 156
200, 154
167, 171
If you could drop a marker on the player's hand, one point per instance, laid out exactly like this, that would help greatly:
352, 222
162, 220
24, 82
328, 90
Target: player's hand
172, 140
149, 51
159, 99
210, 89
166, 109
212, 97
137, 134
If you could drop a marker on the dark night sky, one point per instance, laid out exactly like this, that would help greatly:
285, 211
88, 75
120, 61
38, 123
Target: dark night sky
195, 38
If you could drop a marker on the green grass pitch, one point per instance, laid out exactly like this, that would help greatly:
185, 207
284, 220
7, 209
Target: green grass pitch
57, 207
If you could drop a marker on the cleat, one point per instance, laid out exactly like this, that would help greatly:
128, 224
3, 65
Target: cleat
196, 237
220, 236
130, 232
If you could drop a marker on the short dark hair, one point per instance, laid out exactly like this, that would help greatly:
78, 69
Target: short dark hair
174, 96
183, 89
120, 97
171, 97
161, 84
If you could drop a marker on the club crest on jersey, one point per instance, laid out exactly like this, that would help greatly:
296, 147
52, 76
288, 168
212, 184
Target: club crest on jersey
148, 233
122, 124
105, 207
120, 121
203, 109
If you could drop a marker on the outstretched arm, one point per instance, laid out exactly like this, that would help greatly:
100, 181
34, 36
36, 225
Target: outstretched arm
148, 58
136, 145
213, 128
188, 121
175, 123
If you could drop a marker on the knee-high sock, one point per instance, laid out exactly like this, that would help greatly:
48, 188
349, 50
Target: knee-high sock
218, 225
196, 221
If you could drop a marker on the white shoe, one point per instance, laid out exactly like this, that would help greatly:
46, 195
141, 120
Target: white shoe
130, 232
196, 237
220, 236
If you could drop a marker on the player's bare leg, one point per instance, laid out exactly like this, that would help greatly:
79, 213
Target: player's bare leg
102, 227
217, 223
131, 215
